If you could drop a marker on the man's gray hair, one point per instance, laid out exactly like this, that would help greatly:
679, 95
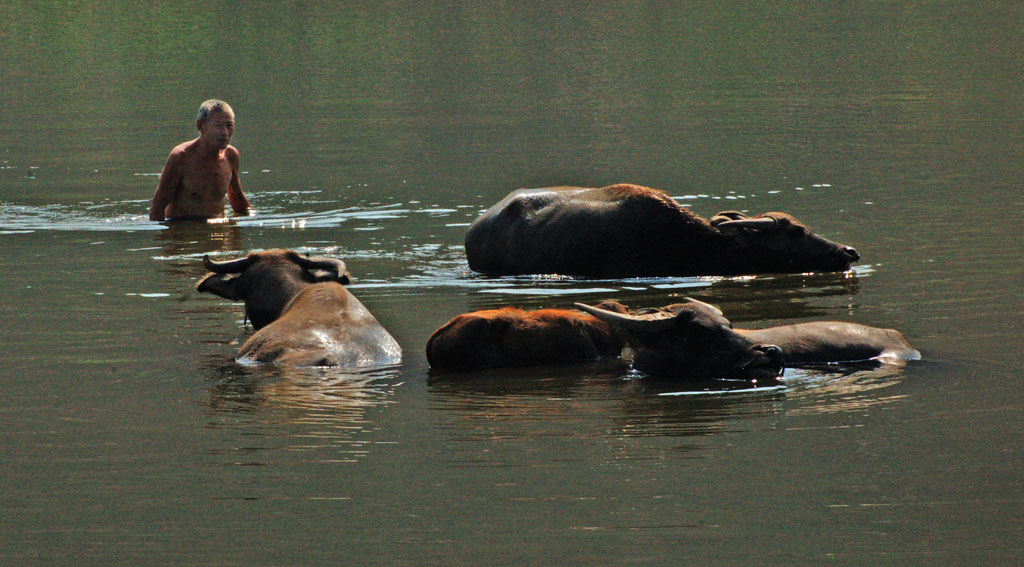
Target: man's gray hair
213, 105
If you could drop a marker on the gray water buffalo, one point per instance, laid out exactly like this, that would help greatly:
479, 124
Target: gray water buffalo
303, 314
826, 342
513, 337
671, 336
628, 230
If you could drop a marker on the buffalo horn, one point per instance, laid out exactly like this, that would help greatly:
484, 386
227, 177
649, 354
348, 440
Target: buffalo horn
647, 323
227, 266
760, 223
329, 264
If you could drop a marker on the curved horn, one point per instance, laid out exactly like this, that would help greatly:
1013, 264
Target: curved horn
330, 264
701, 304
647, 323
227, 266
760, 223
725, 216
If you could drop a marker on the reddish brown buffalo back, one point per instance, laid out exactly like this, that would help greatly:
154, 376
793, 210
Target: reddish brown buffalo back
515, 337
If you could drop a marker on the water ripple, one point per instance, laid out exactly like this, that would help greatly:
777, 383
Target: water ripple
87, 216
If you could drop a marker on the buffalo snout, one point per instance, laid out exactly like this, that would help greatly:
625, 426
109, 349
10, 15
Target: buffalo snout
767, 364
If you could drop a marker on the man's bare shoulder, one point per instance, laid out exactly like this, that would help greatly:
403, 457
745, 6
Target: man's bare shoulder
182, 149
233, 155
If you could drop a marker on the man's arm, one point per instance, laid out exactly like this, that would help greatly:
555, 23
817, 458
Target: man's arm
170, 180
239, 202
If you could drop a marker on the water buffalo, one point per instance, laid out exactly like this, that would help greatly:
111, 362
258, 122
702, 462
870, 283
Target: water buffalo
303, 314
691, 339
661, 338
628, 230
824, 342
514, 337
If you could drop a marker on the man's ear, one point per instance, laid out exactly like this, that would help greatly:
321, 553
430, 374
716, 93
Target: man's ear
223, 285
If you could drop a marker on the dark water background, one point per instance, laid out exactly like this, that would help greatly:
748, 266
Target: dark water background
376, 134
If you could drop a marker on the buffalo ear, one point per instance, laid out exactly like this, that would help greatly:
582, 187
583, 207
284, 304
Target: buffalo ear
612, 305
724, 224
224, 285
330, 276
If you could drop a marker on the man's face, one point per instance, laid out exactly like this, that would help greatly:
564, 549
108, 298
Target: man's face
217, 129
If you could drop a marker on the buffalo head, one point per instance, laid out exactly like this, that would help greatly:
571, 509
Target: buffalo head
266, 281
777, 242
691, 339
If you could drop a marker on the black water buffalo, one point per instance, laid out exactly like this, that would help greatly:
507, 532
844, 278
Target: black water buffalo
514, 337
691, 339
627, 230
670, 337
303, 314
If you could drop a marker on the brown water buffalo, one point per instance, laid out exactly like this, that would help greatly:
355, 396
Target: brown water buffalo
627, 230
303, 314
670, 336
514, 337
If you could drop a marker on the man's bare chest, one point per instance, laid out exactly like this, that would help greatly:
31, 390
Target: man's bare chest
206, 177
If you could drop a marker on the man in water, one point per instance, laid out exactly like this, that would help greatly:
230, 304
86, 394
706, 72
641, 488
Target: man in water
198, 174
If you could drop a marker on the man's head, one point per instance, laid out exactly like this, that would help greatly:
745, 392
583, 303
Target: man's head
216, 123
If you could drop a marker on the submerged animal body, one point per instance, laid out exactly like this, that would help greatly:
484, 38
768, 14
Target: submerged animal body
515, 337
691, 340
827, 342
670, 337
628, 230
303, 314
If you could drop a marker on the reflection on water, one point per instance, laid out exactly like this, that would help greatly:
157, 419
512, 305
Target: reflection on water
648, 404
180, 248
844, 388
191, 239
652, 414
535, 381
506, 418
282, 408
496, 404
